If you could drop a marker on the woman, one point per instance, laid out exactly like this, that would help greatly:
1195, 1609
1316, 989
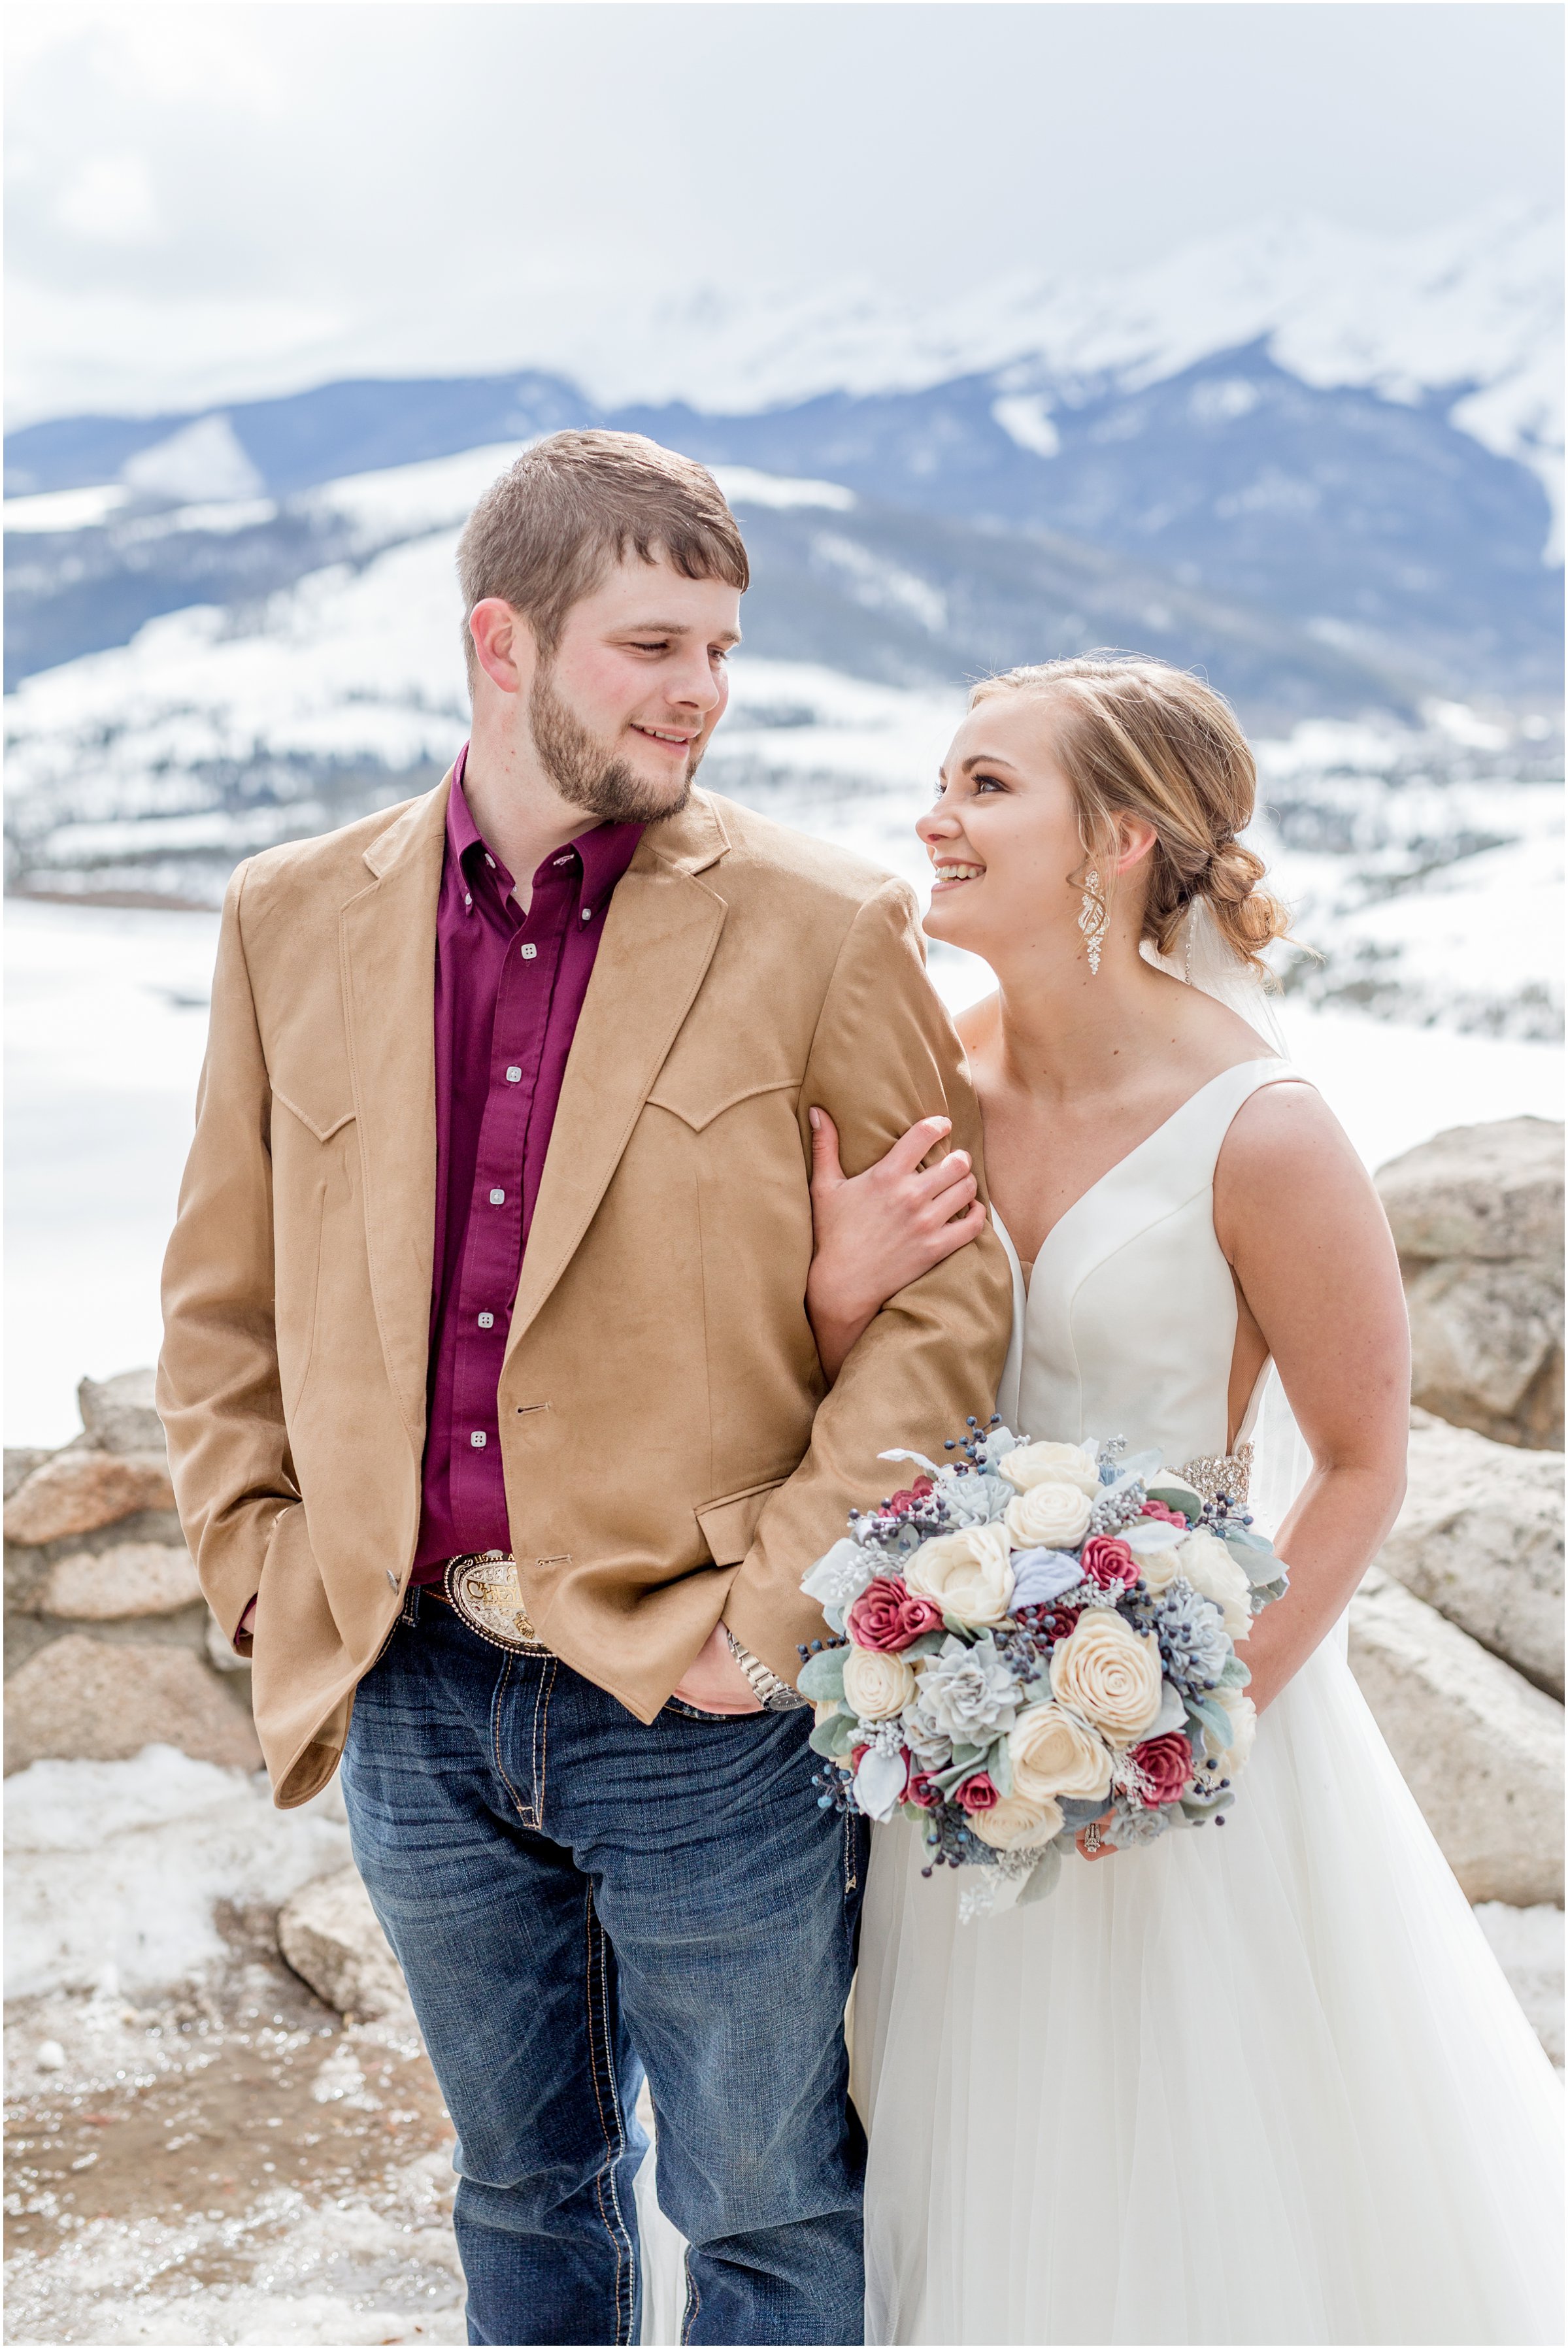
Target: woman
1265, 2083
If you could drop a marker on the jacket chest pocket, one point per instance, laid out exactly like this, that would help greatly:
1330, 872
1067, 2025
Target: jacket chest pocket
698, 1100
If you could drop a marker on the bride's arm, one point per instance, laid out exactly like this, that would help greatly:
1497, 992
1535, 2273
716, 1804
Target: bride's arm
877, 1232
1305, 1233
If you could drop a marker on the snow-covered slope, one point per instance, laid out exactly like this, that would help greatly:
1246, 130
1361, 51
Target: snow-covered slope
1472, 309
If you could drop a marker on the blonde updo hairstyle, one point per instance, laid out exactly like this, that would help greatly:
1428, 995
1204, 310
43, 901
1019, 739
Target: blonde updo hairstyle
1138, 737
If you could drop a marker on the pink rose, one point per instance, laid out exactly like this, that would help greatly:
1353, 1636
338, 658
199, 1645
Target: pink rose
1109, 1563
923, 1789
887, 1617
1165, 1768
900, 1504
1166, 1516
978, 1794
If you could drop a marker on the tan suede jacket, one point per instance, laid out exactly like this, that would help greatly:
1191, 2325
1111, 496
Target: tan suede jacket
670, 1453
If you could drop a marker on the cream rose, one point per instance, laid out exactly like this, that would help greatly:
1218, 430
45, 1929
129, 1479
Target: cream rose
877, 1685
1016, 1822
1211, 1570
1052, 1754
1156, 1548
1110, 1675
968, 1573
1243, 1715
1053, 1463
1050, 1516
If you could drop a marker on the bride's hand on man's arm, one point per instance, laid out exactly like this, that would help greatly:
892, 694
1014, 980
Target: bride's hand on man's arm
877, 1232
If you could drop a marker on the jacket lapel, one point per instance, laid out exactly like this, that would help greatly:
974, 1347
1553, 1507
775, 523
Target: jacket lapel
387, 939
660, 935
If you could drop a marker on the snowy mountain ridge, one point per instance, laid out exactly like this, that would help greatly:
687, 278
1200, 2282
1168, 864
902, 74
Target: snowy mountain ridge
1473, 308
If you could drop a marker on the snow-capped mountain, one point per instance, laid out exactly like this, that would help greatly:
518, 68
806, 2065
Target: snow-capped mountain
1311, 464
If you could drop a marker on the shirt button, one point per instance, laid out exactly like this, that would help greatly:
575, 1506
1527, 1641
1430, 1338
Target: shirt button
528, 953
513, 1076
491, 861
478, 1439
498, 1198
487, 1320
587, 913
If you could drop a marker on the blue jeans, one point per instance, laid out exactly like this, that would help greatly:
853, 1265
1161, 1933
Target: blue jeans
574, 1898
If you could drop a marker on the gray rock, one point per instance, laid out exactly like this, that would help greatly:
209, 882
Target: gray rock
102, 1700
1477, 1215
118, 1414
331, 1936
1490, 1191
1481, 1539
20, 1462
132, 1579
1480, 1748
78, 1492
1486, 1348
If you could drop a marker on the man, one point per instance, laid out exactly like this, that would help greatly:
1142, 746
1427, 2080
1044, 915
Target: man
498, 1428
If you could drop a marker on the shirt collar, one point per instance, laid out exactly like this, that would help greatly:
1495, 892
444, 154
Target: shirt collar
604, 853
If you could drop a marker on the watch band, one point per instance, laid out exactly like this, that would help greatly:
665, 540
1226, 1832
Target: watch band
772, 1694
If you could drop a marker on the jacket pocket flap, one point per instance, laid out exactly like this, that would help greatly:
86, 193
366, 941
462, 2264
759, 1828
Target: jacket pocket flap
697, 1108
323, 1126
728, 1525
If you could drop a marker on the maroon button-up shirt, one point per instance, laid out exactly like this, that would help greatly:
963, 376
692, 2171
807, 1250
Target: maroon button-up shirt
509, 990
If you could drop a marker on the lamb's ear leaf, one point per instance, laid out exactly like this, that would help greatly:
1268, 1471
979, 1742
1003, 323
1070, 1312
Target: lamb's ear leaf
1177, 1497
1043, 1875
1077, 1810
821, 1675
1213, 1718
834, 1736
929, 1644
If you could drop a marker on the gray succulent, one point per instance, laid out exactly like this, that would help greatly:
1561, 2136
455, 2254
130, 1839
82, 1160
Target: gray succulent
968, 1695
1194, 1645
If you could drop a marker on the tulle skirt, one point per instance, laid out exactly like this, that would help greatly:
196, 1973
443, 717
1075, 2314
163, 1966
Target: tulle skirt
1263, 2082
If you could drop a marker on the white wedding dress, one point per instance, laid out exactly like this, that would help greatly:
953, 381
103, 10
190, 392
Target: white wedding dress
1257, 2082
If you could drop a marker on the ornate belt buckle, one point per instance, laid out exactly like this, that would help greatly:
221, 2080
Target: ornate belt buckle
486, 1591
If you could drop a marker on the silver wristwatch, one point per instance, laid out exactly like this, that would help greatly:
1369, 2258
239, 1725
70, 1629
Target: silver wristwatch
772, 1694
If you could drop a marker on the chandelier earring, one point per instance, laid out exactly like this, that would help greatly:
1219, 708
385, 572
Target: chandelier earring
1093, 919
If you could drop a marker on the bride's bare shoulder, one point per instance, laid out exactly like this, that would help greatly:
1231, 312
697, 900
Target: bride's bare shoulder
1284, 1150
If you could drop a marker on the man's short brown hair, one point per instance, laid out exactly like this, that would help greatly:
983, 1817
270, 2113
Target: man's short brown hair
543, 536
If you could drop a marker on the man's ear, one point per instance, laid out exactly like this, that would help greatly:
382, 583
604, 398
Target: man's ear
502, 642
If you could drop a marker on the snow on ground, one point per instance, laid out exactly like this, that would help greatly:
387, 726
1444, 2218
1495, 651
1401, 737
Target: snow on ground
113, 1868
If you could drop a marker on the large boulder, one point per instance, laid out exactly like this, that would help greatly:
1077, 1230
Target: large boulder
1481, 1539
103, 1701
331, 1936
128, 1578
1477, 1215
1480, 1749
78, 1492
118, 1413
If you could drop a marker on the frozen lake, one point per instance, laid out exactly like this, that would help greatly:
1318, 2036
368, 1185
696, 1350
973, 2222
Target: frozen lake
106, 1022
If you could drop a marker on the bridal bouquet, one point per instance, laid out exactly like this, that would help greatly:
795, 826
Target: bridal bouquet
1030, 1636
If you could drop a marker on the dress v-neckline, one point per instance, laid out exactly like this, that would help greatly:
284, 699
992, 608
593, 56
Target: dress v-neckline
1124, 1161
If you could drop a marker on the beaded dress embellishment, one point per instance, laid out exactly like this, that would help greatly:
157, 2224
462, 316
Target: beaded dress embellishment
1229, 1473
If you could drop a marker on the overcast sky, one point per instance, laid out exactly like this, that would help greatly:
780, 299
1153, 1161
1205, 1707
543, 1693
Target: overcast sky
206, 200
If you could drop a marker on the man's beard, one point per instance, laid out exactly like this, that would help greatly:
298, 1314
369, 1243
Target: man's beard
583, 773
